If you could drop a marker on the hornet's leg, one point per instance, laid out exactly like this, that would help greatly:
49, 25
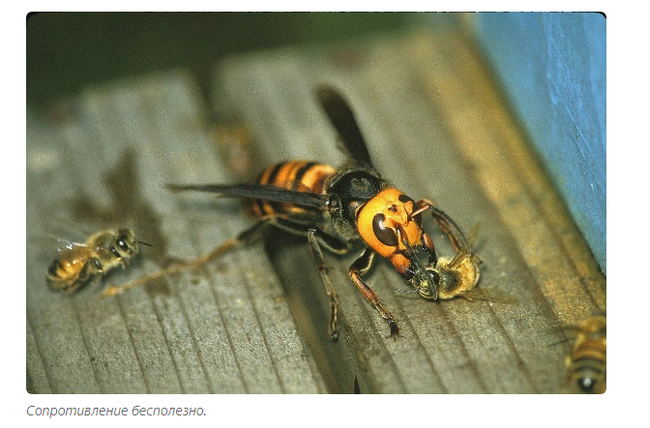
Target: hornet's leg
314, 236
359, 267
246, 237
461, 243
446, 224
317, 238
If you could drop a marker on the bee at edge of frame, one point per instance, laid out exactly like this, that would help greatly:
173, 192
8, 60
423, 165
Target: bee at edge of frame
587, 363
81, 263
345, 208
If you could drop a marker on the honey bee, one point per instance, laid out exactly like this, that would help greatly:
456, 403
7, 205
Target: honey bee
458, 275
79, 264
455, 277
586, 365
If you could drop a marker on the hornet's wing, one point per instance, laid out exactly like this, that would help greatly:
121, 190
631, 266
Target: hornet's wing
342, 117
260, 191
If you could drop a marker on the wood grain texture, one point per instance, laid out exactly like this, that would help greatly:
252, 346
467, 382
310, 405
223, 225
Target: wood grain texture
105, 165
256, 319
553, 68
437, 127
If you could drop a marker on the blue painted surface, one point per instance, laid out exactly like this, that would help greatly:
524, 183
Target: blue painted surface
552, 66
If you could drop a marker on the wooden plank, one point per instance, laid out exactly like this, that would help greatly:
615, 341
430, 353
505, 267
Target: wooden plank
103, 163
561, 75
552, 245
256, 319
436, 127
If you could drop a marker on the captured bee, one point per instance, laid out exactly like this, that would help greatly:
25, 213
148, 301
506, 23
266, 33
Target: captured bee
586, 365
79, 264
345, 208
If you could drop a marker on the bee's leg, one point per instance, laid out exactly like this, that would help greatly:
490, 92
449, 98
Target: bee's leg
91, 268
314, 236
91, 271
123, 262
246, 237
359, 267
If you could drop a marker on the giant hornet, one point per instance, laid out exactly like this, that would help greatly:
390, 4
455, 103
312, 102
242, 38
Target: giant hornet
339, 208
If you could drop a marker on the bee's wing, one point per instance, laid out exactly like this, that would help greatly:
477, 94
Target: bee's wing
342, 117
62, 244
458, 258
473, 234
260, 191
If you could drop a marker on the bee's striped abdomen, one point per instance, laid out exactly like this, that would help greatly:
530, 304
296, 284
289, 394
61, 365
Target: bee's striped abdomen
587, 363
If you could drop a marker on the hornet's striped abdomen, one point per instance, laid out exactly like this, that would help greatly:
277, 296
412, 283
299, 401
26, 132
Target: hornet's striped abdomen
302, 176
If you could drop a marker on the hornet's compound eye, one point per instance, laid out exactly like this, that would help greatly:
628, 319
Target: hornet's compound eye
386, 235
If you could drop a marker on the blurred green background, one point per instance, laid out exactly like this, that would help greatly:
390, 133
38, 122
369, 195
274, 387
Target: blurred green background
67, 51
551, 67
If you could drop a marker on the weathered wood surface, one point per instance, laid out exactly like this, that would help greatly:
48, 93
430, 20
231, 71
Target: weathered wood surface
256, 320
225, 329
